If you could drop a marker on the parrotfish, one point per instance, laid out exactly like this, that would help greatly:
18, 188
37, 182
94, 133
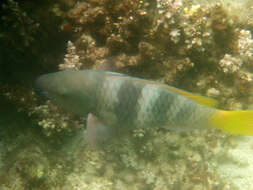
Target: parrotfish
117, 102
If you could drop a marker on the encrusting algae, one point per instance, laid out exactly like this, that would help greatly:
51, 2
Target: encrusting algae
200, 47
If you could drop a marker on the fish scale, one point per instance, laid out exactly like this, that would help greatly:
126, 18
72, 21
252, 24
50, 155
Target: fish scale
123, 98
107, 97
149, 96
127, 108
133, 108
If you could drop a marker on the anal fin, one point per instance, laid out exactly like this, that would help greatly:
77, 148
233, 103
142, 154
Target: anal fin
97, 132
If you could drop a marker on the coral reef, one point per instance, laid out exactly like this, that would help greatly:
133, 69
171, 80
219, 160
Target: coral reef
167, 40
195, 45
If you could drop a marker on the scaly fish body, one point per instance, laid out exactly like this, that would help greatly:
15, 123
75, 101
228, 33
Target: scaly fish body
118, 101
134, 103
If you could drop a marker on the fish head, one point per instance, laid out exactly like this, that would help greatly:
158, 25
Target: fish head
71, 90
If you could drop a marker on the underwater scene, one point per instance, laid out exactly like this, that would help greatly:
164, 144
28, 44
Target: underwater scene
126, 94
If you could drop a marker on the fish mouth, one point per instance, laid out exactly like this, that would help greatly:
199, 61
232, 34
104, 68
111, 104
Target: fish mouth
38, 89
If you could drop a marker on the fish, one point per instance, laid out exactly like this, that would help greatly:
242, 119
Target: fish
115, 102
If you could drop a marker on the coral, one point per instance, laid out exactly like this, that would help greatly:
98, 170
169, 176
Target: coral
52, 120
71, 60
230, 64
245, 45
17, 25
212, 92
47, 115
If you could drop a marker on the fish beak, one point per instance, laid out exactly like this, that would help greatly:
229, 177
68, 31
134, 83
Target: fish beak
38, 89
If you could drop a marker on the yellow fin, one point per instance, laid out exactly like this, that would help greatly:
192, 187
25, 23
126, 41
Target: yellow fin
235, 122
197, 98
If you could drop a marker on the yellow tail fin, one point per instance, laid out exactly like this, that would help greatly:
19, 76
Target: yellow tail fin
236, 122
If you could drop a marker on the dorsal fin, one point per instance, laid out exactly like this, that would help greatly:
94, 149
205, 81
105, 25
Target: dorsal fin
207, 101
197, 98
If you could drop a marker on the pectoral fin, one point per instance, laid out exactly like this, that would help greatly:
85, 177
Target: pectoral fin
97, 132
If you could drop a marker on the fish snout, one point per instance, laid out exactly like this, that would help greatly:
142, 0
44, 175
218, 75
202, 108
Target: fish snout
38, 87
